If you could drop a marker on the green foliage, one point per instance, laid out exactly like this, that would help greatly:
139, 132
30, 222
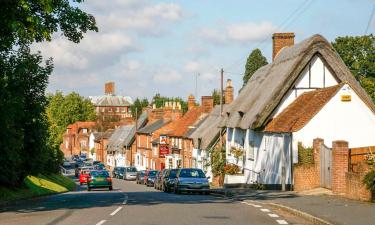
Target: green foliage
236, 152
369, 180
159, 101
254, 62
218, 161
358, 54
305, 154
25, 21
64, 110
216, 97
138, 106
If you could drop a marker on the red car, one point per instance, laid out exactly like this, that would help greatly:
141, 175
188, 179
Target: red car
83, 176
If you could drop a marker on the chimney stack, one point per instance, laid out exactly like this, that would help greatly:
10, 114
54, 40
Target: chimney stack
281, 40
228, 93
207, 104
109, 88
191, 101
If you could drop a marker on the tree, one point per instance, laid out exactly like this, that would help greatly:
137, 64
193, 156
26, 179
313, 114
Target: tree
254, 62
138, 106
358, 54
159, 101
24, 137
216, 97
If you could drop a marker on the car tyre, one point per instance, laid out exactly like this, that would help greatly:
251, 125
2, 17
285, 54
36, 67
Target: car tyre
176, 191
110, 188
88, 189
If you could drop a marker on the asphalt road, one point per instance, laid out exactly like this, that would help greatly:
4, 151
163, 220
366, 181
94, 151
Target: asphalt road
133, 204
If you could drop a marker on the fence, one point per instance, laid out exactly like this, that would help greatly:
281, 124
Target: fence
357, 158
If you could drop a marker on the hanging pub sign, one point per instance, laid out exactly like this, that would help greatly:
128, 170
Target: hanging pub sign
163, 150
163, 139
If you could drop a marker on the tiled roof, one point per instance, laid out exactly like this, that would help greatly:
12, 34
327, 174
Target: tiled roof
149, 128
302, 110
179, 127
119, 137
75, 127
111, 100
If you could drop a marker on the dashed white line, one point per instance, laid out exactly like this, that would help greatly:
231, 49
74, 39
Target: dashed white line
101, 222
257, 206
281, 222
265, 210
273, 215
116, 211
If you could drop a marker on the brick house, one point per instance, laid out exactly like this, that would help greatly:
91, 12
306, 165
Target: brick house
76, 139
305, 93
112, 107
100, 143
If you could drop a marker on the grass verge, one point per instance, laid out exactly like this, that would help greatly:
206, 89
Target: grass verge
35, 186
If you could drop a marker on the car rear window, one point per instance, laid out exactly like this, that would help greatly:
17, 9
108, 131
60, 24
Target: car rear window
192, 173
99, 173
152, 173
131, 169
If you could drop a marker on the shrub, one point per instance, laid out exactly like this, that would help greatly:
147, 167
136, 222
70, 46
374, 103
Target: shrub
237, 152
305, 154
231, 169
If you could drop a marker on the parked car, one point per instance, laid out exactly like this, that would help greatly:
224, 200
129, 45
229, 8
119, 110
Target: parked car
169, 180
191, 180
96, 162
139, 179
84, 174
130, 173
99, 179
150, 177
159, 179
118, 172
79, 169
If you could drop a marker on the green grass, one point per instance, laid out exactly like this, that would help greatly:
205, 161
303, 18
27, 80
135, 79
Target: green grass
38, 186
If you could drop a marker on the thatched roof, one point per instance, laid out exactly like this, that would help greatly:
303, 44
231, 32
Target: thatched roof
270, 84
208, 131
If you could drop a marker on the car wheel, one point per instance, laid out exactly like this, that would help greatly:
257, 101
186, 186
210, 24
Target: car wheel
88, 189
176, 191
110, 188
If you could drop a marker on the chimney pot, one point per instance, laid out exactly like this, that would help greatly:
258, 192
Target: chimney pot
281, 40
228, 93
191, 101
207, 103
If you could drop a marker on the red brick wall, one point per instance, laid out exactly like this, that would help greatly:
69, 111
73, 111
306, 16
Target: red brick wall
281, 40
340, 164
305, 177
355, 189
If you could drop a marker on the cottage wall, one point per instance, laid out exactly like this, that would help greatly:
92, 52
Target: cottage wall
351, 120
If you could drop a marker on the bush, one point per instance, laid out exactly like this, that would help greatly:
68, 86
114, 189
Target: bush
369, 180
305, 154
231, 169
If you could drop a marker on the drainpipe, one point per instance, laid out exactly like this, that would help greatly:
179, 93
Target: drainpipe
291, 161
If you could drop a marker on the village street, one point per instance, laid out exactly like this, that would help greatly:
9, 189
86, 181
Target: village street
131, 204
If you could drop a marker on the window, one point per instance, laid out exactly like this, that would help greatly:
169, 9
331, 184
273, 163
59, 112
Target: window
179, 143
84, 130
103, 109
170, 163
117, 109
110, 110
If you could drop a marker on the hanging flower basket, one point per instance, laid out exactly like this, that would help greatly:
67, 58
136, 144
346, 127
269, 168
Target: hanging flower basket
236, 152
231, 169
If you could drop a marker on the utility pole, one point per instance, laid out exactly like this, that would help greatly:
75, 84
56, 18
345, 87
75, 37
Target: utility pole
221, 101
196, 84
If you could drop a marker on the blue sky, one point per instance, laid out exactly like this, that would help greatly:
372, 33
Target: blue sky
149, 47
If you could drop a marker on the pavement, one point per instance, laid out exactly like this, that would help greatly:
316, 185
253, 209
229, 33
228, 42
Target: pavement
133, 204
315, 205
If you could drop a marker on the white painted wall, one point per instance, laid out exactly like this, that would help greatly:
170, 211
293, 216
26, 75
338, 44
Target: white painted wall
351, 121
314, 75
91, 146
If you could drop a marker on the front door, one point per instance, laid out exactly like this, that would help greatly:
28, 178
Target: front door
325, 167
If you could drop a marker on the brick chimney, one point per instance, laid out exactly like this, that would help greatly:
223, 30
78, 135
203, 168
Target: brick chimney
207, 104
109, 88
228, 93
191, 101
281, 40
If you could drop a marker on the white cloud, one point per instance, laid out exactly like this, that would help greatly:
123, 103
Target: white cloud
168, 76
237, 33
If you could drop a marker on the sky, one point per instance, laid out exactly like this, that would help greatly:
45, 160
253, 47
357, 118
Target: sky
177, 48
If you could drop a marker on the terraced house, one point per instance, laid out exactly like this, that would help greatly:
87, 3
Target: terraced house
305, 93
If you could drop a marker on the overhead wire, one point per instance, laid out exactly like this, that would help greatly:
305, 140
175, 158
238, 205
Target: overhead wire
370, 19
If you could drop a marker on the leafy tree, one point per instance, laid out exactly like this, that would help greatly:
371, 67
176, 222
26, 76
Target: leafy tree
216, 97
24, 137
254, 62
358, 53
138, 106
159, 101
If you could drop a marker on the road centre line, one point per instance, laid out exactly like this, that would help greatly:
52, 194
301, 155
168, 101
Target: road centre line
265, 210
281, 222
116, 211
101, 222
273, 215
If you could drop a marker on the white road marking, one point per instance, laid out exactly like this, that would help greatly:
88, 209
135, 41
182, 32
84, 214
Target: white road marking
273, 215
281, 222
116, 211
257, 206
265, 210
101, 222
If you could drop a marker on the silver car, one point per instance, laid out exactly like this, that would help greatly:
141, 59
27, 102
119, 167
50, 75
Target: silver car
191, 180
130, 173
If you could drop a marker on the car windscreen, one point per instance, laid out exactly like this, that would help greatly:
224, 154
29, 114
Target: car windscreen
195, 173
173, 173
131, 169
152, 173
121, 169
